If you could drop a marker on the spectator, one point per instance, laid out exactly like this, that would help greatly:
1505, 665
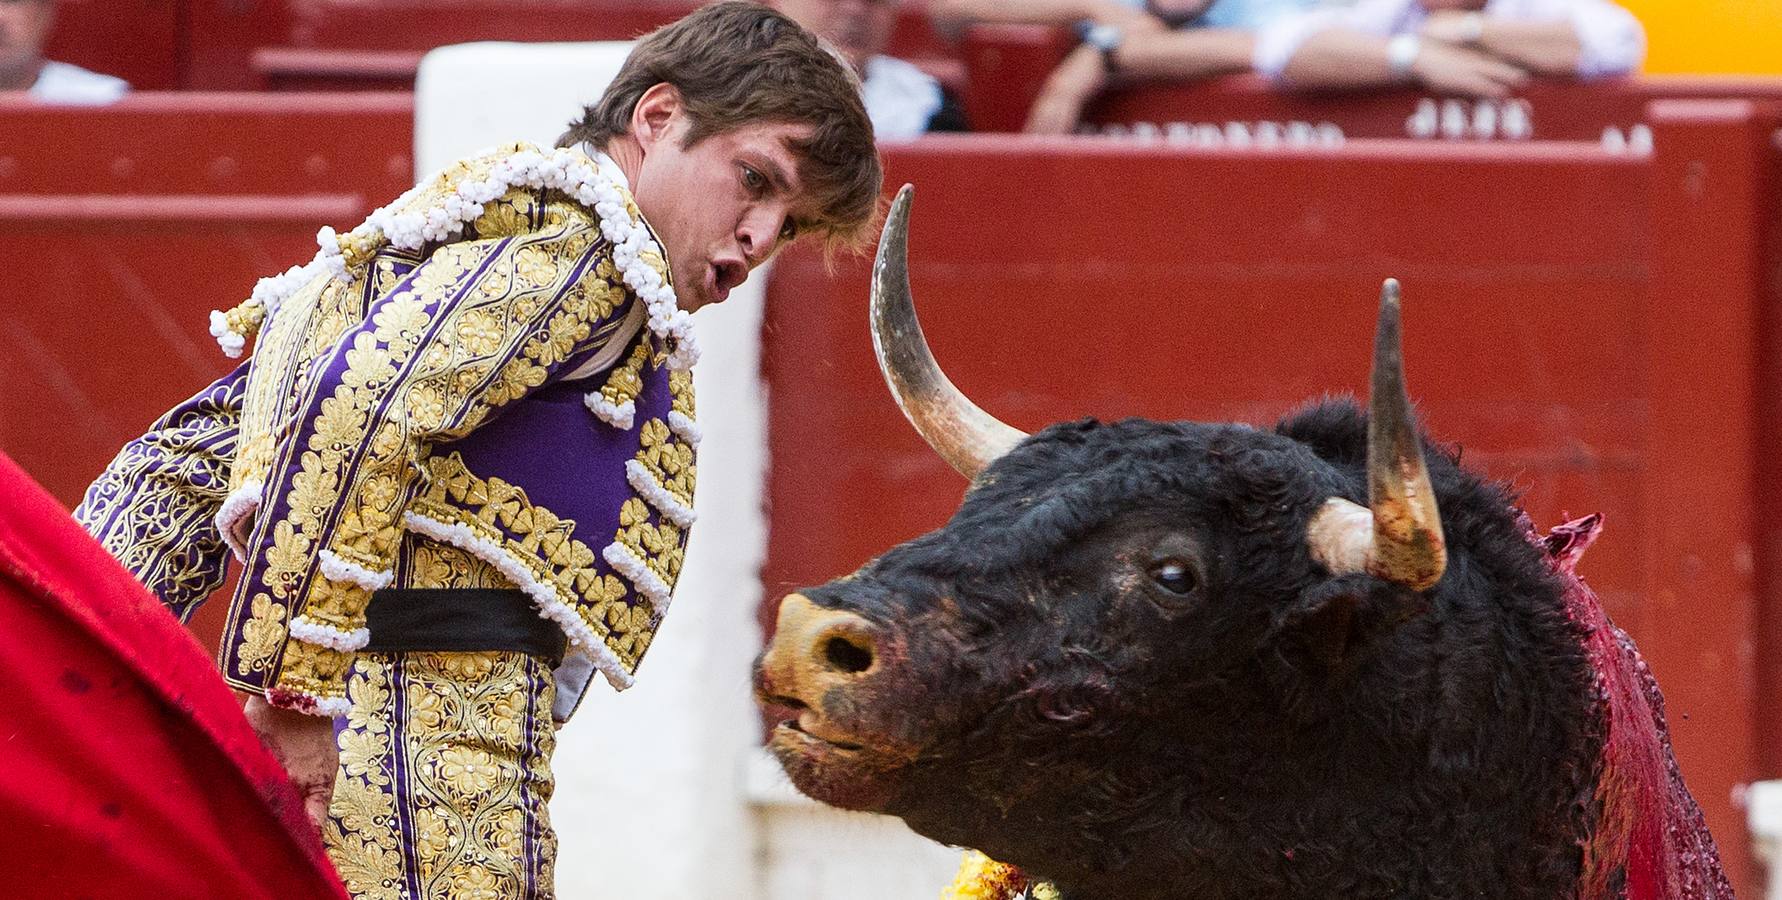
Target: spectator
902, 100
24, 26
1476, 48
1179, 39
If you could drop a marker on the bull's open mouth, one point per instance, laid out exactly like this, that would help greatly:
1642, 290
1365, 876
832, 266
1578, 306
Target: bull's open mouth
832, 769
794, 730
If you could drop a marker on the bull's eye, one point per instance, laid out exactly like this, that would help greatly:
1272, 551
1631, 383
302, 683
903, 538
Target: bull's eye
1173, 575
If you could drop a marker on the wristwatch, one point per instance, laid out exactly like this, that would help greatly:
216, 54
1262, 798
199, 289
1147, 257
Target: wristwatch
1105, 38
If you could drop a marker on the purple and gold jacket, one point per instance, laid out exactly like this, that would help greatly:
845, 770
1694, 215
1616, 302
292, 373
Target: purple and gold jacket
480, 387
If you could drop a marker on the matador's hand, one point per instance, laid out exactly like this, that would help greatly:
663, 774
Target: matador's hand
304, 745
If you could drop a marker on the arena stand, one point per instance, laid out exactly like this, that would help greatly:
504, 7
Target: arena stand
1597, 325
352, 45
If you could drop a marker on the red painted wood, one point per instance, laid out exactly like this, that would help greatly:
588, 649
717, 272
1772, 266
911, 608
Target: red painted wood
1564, 110
1064, 279
355, 46
311, 69
1005, 67
136, 40
125, 226
1703, 310
221, 36
211, 144
103, 208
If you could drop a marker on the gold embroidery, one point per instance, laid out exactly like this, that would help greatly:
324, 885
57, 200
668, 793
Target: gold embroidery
469, 766
362, 833
500, 512
436, 565
626, 380
480, 324
262, 635
658, 545
313, 669
680, 387
668, 460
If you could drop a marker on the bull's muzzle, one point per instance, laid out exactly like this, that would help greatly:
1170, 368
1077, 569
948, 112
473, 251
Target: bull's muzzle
814, 651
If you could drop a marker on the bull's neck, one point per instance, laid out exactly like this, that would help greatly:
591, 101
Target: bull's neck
1150, 817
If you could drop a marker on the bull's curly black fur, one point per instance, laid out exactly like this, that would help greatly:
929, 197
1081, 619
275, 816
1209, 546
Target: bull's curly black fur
1277, 732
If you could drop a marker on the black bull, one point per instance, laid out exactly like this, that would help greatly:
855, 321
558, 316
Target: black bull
1174, 660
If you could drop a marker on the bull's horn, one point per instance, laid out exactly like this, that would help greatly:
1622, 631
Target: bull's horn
964, 435
1400, 538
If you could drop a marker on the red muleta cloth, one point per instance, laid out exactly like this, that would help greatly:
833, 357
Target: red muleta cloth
1650, 841
126, 767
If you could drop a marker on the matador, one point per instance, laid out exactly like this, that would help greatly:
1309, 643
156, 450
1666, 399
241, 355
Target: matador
457, 469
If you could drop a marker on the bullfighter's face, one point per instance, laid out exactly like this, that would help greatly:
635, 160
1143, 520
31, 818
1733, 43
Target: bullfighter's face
722, 205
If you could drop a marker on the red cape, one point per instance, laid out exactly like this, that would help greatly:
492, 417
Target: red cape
1650, 842
126, 766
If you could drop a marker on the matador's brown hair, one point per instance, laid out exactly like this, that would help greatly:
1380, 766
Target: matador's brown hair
739, 63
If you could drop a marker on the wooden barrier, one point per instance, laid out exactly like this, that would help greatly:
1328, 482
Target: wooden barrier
1579, 321
210, 144
94, 33
122, 228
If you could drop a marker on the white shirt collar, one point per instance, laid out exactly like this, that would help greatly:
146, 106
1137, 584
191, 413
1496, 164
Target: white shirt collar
607, 166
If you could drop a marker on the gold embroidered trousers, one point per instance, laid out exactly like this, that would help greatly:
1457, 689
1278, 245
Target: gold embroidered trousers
444, 778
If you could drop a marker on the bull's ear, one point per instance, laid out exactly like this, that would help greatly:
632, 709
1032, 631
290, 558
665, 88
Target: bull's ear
1338, 621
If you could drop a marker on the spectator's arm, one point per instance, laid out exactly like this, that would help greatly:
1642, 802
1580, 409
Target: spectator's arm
1197, 53
1544, 48
954, 15
1188, 53
1583, 38
1339, 58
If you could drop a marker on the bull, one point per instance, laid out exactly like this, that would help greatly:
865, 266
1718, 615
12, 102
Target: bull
1184, 660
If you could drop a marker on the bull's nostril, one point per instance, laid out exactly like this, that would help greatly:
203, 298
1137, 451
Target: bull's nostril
847, 656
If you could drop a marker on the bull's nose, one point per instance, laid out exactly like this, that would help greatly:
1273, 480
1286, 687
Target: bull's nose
815, 649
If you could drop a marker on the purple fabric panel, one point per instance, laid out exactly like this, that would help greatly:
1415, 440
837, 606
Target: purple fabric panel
567, 460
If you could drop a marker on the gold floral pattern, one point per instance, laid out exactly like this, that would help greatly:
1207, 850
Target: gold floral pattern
668, 460
432, 564
501, 514
421, 352
625, 381
445, 777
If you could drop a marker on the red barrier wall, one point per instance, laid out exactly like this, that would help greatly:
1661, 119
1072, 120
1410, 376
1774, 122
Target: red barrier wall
136, 40
1576, 320
120, 229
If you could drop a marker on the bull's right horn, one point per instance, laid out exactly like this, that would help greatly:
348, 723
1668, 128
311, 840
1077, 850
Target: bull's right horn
968, 438
1398, 535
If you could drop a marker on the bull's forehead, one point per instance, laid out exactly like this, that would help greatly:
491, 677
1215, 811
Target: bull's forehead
1133, 459
1069, 480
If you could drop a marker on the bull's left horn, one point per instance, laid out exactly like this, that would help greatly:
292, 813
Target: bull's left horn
968, 438
1399, 537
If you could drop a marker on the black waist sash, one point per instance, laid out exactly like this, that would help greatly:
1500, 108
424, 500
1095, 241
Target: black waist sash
460, 619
